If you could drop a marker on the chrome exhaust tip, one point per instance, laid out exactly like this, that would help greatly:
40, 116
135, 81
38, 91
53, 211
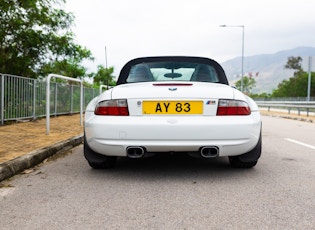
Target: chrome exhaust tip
209, 151
135, 152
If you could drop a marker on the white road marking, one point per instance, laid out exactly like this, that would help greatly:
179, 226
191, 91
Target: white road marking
300, 143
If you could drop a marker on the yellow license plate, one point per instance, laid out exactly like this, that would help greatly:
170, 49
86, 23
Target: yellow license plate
172, 107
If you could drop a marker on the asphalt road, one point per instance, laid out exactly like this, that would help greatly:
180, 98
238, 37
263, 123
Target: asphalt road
172, 192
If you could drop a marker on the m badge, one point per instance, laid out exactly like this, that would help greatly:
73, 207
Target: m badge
210, 102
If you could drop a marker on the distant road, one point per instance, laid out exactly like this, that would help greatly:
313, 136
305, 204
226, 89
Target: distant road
172, 192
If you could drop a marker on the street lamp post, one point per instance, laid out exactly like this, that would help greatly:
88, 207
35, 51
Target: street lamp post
243, 29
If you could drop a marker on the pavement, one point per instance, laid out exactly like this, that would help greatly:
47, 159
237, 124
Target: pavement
25, 144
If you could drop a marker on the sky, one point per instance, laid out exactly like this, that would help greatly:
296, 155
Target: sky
138, 28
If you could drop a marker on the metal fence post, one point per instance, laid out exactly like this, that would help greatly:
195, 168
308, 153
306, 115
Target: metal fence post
34, 99
48, 104
71, 100
2, 99
81, 103
55, 99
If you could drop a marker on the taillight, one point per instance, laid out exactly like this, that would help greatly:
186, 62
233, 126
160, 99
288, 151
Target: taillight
117, 107
232, 107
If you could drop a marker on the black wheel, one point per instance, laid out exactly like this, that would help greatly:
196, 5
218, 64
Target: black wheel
247, 160
108, 163
96, 160
235, 162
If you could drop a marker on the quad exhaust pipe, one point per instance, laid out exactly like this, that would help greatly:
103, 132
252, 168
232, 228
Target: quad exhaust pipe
209, 151
135, 152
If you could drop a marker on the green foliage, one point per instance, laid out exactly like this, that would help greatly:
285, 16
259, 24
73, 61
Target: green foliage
248, 84
70, 68
35, 38
261, 95
294, 63
104, 76
296, 86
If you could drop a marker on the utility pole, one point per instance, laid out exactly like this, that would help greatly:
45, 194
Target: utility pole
106, 66
309, 78
243, 33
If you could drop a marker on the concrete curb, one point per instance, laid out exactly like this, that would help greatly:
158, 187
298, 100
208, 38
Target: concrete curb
310, 120
17, 165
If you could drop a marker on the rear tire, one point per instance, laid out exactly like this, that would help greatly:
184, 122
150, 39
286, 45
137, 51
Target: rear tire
235, 162
107, 164
96, 160
247, 160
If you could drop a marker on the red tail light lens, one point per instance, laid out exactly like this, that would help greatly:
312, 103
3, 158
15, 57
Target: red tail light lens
112, 108
233, 108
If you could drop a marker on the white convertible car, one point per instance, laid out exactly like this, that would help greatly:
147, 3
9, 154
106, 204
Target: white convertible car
172, 104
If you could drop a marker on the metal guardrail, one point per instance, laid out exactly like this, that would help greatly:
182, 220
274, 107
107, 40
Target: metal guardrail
25, 98
299, 106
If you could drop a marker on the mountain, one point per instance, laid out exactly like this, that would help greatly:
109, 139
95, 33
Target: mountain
269, 68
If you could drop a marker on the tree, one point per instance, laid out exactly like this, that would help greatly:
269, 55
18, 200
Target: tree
35, 34
296, 86
67, 67
260, 95
248, 84
294, 63
104, 76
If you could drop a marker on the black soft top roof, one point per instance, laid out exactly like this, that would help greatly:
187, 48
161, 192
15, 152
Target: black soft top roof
202, 60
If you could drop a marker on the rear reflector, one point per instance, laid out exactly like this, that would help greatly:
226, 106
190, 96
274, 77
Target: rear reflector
233, 107
117, 107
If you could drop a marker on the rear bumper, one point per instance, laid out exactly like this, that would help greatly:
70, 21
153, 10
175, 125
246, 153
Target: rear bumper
232, 135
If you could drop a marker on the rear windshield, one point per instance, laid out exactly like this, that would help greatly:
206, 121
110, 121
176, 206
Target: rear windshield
172, 71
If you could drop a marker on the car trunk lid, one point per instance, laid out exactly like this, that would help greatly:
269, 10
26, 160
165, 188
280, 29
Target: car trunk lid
169, 98
171, 90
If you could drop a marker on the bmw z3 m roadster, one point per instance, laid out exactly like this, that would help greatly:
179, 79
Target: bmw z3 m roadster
172, 104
